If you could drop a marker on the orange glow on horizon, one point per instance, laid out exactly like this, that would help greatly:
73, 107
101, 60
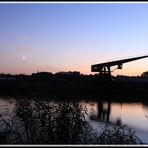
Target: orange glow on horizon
25, 67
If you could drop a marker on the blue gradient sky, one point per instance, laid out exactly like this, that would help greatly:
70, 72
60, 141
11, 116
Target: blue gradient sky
72, 37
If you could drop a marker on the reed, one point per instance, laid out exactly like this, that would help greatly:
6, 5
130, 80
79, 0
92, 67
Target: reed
41, 122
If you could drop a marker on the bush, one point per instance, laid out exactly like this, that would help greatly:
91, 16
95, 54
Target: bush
118, 135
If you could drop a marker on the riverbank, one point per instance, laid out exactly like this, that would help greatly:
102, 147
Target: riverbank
99, 126
77, 86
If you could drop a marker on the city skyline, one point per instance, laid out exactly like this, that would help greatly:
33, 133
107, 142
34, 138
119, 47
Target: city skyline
57, 37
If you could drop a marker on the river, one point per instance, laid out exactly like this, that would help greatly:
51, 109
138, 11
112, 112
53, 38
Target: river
132, 114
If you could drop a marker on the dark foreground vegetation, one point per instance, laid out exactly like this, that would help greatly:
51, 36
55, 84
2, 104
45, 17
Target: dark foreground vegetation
41, 122
73, 83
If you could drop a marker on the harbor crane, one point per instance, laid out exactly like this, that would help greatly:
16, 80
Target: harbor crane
105, 68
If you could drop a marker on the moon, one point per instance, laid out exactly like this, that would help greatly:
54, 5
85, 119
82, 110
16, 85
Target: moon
23, 58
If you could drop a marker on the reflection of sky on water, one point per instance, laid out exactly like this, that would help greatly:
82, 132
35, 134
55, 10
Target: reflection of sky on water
132, 114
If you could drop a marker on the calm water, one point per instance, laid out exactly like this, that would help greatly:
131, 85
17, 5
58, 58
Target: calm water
134, 115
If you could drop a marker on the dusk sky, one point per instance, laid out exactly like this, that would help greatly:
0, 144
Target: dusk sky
71, 37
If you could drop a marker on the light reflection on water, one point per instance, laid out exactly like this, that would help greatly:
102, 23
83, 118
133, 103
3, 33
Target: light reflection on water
134, 115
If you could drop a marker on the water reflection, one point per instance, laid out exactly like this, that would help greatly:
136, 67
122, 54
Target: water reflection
134, 115
103, 111
62, 117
